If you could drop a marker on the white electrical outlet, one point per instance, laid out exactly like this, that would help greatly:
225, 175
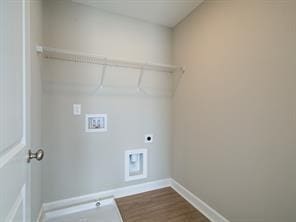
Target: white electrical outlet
76, 109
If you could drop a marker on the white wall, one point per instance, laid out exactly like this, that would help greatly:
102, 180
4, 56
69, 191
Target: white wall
36, 104
77, 163
234, 110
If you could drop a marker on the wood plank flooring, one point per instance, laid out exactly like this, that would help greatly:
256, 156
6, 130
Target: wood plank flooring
163, 205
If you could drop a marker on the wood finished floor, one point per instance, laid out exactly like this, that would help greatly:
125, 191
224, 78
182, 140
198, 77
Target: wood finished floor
163, 205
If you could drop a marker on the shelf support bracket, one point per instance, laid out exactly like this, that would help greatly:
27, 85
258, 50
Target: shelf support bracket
176, 78
140, 78
103, 74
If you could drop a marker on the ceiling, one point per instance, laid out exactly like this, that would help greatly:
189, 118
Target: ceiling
163, 12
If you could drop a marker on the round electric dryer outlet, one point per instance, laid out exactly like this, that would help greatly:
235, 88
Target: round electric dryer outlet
149, 138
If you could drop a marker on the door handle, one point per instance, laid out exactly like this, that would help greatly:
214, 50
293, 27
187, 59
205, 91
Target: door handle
38, 155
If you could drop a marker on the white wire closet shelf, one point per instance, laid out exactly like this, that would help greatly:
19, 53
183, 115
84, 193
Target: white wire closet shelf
78, 57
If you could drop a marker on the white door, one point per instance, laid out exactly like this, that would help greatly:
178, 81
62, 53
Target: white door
14, 174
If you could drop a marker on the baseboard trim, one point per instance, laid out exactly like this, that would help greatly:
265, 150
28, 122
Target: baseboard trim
200, 205
85, 202
40, 215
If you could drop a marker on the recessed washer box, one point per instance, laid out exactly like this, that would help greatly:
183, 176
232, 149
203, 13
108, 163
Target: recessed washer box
135, 164
95, 123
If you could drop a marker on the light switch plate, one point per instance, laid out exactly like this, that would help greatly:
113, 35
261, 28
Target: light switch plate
76, 109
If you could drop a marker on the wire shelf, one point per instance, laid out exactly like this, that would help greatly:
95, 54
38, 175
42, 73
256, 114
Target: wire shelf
65, 55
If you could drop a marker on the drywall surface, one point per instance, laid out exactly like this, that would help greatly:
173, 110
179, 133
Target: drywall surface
36, 105
79, 163
235, 108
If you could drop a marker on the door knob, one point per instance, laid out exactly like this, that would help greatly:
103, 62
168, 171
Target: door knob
38, 155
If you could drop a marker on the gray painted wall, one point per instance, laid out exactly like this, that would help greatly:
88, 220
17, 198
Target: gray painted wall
79, 163
234, 110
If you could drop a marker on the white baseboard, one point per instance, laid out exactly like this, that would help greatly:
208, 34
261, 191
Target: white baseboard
81, 203
204, 208
40, 215
87, 202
